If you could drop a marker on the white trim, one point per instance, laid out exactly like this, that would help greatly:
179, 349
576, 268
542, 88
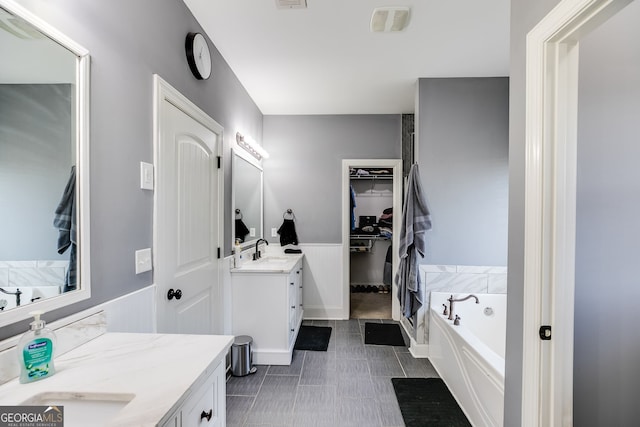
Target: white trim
550, 193
42, 25
82, 113
163, 91
396, 164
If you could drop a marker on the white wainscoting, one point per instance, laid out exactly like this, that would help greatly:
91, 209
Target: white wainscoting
322, 287
134, 312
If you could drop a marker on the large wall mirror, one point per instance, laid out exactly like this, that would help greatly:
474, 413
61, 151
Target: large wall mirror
44, 166
247, 199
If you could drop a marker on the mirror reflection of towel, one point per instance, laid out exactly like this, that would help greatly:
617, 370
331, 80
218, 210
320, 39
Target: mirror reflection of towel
65, 221
241, 230
287, 232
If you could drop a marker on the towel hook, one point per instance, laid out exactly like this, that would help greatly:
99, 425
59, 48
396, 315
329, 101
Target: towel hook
238, 214
290, 213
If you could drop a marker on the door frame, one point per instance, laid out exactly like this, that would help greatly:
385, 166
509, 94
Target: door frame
396, 164
550, 206
163, 91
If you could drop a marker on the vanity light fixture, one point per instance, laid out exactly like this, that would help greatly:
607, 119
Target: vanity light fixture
250, 146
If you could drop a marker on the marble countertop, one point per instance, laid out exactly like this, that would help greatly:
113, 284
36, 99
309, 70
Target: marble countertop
159, 369
279, 264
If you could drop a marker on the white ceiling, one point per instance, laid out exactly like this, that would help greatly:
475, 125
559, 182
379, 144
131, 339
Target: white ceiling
324, 59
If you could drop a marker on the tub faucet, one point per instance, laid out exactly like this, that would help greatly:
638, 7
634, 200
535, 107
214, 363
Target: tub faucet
17, 293
451, 301
256, 255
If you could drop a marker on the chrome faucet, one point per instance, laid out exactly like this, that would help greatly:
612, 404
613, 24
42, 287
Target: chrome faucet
17, 293
256, 255
451, 301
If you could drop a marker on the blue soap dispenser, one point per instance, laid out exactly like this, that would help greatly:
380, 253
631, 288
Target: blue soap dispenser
35, 351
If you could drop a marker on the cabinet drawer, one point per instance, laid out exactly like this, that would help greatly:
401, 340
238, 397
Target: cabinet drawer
204, 408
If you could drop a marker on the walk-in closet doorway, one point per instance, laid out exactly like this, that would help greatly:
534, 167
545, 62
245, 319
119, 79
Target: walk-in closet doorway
369, 229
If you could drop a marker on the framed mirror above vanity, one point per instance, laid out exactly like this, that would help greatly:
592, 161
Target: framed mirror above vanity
247, 193
44, 166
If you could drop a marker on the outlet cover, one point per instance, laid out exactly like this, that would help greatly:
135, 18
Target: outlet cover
252, 232
274, 232
143, 260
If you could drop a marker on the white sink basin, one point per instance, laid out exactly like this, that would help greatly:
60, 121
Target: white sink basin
83, 409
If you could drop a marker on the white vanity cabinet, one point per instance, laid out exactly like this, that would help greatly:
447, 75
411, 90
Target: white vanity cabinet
205, 406
267, 305
159, 380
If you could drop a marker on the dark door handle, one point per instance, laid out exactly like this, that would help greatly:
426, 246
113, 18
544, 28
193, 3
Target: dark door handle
207, 415
171, 294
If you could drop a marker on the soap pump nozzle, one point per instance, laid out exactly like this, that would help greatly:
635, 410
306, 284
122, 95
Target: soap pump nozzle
37, 323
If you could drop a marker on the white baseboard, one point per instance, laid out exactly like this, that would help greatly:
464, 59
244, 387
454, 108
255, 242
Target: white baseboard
419, 351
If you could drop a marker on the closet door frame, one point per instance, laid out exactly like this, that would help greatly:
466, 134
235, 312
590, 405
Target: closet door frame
396, 164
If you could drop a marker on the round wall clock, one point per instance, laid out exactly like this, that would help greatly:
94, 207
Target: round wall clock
198, 55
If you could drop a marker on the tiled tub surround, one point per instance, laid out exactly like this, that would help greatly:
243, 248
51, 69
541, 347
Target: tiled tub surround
35, 279
453, 279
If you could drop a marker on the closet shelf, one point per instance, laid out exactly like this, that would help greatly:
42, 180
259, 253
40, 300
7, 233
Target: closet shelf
370, 177
368, 237
364, 243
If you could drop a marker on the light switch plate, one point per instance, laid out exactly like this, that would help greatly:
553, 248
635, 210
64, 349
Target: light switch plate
146, 176
143, 260
274, 232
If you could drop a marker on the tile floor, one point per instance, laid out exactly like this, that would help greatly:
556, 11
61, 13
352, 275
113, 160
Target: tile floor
348, 385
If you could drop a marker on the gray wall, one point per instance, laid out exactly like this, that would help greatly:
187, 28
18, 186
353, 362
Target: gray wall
35, 161
304, 172
463, 157
128, 42
607, 342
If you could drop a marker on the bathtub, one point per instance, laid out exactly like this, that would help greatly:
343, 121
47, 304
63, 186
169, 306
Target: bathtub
470, 357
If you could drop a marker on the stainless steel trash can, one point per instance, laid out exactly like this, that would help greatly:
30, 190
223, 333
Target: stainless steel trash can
241, 358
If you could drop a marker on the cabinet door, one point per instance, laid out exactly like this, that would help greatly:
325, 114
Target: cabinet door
207, 406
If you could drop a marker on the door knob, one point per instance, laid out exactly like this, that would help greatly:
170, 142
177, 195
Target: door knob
206, 415
171, 294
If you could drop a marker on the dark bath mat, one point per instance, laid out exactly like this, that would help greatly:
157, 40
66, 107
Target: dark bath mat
427, 402
314, 338
383, 334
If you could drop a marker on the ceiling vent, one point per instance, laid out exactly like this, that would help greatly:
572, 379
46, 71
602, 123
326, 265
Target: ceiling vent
291, 4
390, 19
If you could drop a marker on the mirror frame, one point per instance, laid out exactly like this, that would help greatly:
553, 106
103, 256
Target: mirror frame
242, 154
81, 132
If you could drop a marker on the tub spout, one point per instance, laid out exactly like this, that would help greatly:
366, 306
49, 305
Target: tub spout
452, 300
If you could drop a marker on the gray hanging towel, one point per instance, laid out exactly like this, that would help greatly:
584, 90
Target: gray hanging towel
65, 221
241, 230
415, 222
287, 232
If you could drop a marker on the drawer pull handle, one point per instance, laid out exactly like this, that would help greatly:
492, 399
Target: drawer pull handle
206, 415
171, 294
293, 306
293, 330
291, 283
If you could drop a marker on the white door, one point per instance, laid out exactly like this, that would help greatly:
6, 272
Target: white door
186, 220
